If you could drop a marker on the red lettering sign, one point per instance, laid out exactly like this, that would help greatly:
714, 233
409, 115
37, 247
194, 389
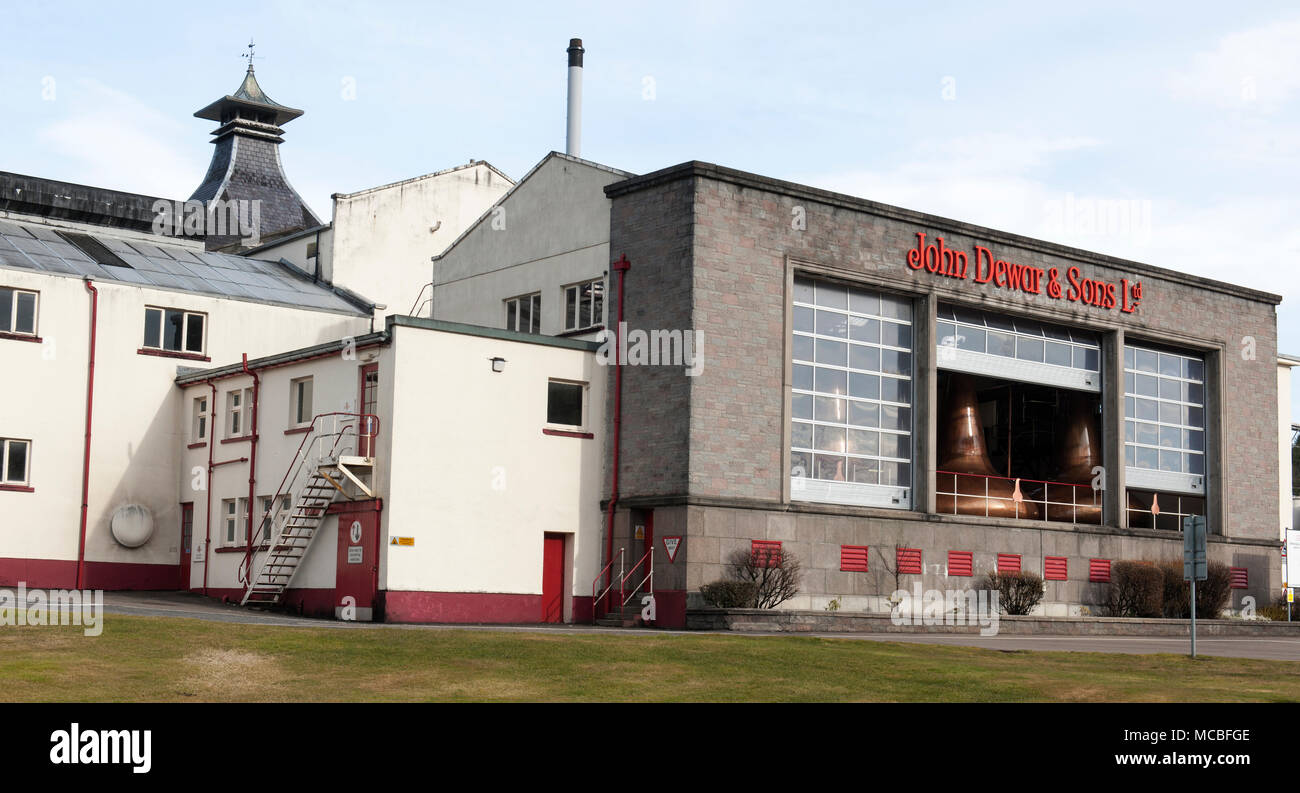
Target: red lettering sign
938, 259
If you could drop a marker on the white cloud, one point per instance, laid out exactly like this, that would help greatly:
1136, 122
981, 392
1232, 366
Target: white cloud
1257, 68
110, 139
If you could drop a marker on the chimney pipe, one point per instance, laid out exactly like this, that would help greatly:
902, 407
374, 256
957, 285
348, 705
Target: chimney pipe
573, 140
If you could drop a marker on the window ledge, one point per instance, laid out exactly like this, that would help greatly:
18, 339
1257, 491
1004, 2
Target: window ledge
199, 445
580, 331
239, 439
18, 488
187, 356
19, 337
297, 430
567, 433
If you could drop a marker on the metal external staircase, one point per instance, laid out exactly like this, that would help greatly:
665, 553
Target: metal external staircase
625, 609
338, 451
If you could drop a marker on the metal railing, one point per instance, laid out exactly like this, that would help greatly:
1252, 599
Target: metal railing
1061, 502
649, 555
596, 598
341, 425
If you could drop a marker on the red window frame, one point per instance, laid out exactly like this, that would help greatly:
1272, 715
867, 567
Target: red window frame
1056, 568
1008, 563
909, 561
766, 553
1099, 571
1240, 577
854, 558
961, 563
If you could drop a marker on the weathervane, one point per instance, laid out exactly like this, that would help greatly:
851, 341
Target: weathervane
249, 56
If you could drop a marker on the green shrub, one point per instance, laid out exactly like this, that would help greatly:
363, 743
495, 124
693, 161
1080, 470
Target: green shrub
1212, 595
1136, 589
1276, 610
1018, 593
727, 594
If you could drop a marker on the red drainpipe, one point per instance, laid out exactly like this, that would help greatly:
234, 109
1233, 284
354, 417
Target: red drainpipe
252, 460
90, 412
621, 267
212, 445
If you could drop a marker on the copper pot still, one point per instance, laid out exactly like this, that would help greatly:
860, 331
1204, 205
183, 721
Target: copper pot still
1080, 453
963, 453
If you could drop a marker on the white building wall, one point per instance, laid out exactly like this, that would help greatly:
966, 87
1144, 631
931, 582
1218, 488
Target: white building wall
135, 450
471, 476
384, 237
518, 248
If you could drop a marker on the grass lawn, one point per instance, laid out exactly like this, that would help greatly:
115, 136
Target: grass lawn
184, 660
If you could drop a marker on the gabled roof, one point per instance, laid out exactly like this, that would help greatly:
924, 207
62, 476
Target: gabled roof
161, 264
434, 175
555, 155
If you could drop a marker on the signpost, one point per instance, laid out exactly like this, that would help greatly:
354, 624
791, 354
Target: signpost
1194, 565
1291, 552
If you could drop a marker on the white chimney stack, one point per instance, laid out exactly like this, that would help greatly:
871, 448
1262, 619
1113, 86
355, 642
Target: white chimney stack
573, 140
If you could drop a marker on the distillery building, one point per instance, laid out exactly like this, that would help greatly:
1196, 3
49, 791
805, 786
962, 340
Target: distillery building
895, 397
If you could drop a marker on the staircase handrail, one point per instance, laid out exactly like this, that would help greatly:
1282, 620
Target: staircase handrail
649, 555
595, 599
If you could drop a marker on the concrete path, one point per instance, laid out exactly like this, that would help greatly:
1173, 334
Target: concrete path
184, 604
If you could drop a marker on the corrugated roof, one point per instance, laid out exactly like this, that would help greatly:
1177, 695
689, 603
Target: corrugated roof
167, 266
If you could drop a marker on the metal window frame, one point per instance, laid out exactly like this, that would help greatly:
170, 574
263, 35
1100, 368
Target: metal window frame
5, 444
13, 311
185, 323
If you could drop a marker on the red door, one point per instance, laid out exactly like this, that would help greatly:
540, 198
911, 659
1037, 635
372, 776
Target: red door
187, 536
368, 399
356, 578
553, 578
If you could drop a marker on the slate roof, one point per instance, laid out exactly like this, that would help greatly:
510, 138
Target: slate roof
165, 265
249, 94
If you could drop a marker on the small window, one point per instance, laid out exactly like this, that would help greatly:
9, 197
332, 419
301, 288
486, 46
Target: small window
1099, 571
199, 430
18, 311
300, 405
961, 563
235, 515
174, 330
15, 461
1008, 563
564, 403
1055, 568
524, 314
239, 413
853, 558
584, 305
909, 561
766, 553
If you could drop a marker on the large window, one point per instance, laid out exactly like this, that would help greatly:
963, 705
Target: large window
18, 311
15, 461
851, 396
1164, 420
174, 330
584, 305
1018, 425
524, 314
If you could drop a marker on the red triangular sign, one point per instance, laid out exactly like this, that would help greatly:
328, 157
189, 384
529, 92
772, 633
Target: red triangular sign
670, 545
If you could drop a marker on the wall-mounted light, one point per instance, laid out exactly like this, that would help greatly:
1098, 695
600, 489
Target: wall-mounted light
498, 364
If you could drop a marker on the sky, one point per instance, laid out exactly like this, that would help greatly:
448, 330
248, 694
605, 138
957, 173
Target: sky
1168, 133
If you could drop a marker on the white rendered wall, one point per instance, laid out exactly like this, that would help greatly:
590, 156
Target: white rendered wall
470, 475
136, 452
384, 237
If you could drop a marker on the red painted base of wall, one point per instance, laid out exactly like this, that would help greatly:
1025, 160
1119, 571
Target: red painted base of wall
62, 574
478, 607
670, 608
307, 602
582, 609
